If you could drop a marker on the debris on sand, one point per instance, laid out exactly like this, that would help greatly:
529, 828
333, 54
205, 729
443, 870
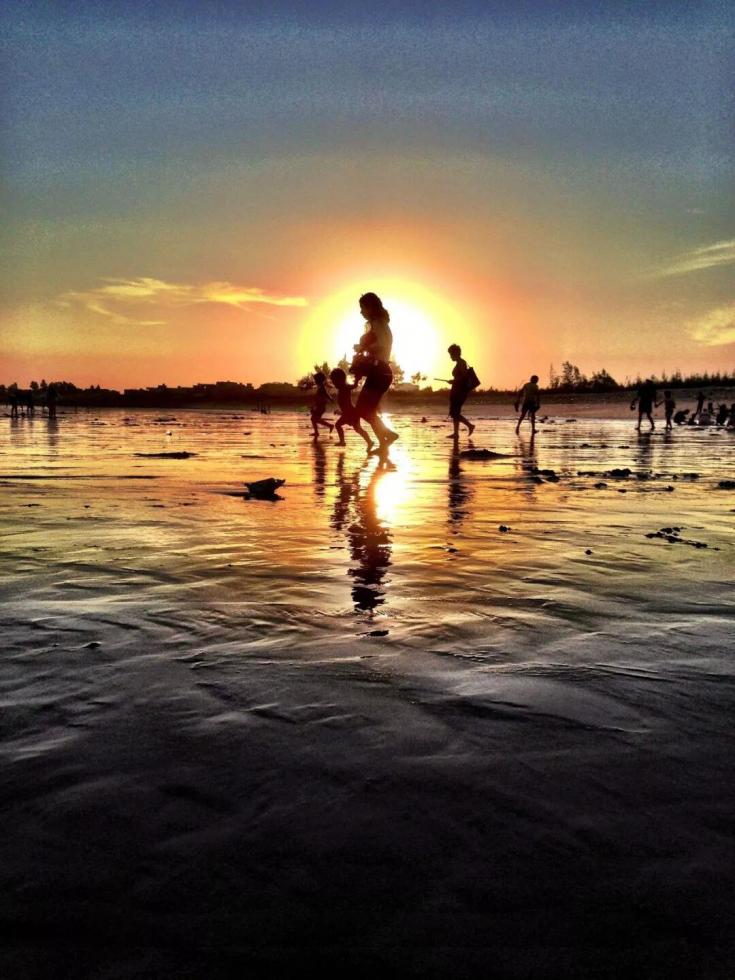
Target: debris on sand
504, 528
424, 419
672, 535
265, 489
601, 486
179, 455
619, 473
481, 454
726, 485
588, 551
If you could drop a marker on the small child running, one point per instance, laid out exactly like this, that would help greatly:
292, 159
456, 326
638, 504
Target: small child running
319, 405
669, 406
348, 415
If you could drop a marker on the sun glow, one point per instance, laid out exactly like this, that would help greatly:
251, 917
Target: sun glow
423, 325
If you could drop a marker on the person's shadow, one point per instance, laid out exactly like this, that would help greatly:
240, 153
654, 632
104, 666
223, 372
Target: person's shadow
369, 541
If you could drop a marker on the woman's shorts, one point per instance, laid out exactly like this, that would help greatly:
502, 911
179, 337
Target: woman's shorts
378, 380
456, 401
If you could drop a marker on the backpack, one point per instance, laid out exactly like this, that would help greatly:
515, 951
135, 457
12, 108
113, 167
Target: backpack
471, 379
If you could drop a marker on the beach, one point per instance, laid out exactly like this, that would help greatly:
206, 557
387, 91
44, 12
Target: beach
452, 717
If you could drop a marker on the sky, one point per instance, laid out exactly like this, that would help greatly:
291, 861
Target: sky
201, 191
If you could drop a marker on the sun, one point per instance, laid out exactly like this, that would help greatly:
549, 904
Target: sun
423, 325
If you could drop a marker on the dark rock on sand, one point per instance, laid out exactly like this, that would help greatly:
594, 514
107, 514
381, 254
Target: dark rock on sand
481, 454
601, 486
179, 455
620, 473
672, 535
265, 489
726, 485
504, 528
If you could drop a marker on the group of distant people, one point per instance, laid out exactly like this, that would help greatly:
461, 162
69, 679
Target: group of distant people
646, 397
24, 402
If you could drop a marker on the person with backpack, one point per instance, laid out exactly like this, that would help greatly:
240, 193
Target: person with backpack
464, 380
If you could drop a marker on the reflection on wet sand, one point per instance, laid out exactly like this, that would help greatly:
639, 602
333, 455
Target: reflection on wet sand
357, 512
459, 492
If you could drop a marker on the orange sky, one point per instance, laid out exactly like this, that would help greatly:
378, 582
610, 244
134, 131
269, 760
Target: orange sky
531, 206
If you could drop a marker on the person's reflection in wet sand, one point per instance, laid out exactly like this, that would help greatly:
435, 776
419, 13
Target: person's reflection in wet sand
53, 434
368, 539
645, 452
320, 468
528, 463
458, 491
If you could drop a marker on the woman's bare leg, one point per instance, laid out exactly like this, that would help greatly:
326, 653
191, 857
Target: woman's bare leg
361, 432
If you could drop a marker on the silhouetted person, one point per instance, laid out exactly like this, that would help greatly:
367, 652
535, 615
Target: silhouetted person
731, 420
14, 404
645, 397
700, 404
669, 406
461, 387
319, 404
348, 412
51, 399
372, 362
529, 402
28, 401
680, 417
722, 413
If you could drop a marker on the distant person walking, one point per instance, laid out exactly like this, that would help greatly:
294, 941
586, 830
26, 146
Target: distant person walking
669, 406
348, 413
645, 397
319, 404
14, 403
51, 399
529, 402
463, 379
372, 361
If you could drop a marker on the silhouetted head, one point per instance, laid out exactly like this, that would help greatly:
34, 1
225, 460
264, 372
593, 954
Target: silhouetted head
454, 351
371, 307
534, 379
320, 378
338, 378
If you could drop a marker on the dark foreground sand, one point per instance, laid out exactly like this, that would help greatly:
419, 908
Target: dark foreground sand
362, 729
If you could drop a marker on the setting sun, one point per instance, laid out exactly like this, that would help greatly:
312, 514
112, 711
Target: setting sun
423, 325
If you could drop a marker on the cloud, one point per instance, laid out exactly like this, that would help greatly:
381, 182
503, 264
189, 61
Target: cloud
716, 327
124, 301
705, 257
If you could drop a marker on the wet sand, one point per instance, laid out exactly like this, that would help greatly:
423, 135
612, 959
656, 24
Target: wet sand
363, 728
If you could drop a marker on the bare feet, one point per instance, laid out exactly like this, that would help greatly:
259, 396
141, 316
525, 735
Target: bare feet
389, 439
470, 429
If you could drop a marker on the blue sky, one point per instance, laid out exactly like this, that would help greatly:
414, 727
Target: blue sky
583, 152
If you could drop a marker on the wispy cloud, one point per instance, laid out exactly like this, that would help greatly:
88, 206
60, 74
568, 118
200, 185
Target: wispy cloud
704, 257
125, 301
716, 327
